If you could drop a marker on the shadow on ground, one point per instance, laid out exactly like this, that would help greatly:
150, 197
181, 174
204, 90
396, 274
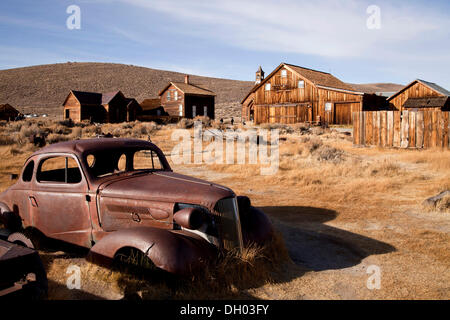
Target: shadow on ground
317, 246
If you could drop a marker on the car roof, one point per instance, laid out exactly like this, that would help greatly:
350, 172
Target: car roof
92, 145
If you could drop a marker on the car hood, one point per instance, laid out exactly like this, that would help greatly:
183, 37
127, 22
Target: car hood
167, 187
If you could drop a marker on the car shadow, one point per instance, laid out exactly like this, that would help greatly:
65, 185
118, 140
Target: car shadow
317, 246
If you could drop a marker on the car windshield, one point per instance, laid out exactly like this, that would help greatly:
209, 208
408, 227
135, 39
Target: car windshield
110, 162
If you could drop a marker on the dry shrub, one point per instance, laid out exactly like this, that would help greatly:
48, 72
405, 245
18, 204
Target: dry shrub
311, 144
6, 140
206, 121
28, 131
76, 133
55, 138
327, 153
143, 129
60, 129
92, 130
185, 123
444, 204
317, 131
386, 168
229, 276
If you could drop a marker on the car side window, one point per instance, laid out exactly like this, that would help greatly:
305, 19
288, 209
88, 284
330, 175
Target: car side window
28, 172
59, 169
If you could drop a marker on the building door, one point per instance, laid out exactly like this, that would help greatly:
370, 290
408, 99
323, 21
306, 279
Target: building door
343, 113
67, 115
205, 111
194, 111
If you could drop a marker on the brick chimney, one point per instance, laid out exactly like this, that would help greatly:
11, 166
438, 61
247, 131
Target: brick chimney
186, 79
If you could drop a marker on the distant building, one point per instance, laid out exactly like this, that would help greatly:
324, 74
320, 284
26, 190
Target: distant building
419, 95
187, 100
110, 107
8, 112
292, 94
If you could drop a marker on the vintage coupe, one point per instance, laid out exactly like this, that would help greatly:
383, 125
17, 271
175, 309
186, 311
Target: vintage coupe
116, 195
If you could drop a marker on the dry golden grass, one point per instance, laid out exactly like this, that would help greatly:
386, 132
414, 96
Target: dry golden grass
376, 195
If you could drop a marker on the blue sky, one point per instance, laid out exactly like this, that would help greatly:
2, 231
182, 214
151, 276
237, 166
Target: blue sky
230, 39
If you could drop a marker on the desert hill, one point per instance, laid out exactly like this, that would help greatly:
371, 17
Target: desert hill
42, 89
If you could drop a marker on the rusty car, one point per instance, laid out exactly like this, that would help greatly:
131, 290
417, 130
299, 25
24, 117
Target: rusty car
116, 195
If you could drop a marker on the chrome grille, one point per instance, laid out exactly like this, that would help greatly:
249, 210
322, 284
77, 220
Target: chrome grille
230, 225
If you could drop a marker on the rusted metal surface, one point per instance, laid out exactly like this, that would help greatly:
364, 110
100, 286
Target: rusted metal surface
92, 202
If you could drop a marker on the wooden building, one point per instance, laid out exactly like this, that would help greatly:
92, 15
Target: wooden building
110, 107
8, 112
184, 99
292, 94
420, 95
134, 109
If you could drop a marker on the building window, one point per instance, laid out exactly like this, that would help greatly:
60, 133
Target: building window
175, 95
267, 87
328, 106
301, 84
284, 73
168, 95
180, 110
194, 111
205, 111
67, 114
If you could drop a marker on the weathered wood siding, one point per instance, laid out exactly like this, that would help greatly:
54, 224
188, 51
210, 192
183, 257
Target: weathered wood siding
187, 101
285, 91
73, 107
116, 109
407, 129
417, 90
171, 106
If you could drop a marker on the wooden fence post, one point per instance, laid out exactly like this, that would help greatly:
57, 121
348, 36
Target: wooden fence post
405, 130
419, 129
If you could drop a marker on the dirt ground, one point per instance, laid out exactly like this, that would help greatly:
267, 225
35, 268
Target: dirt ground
341, 210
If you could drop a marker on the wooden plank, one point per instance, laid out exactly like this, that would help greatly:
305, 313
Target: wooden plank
397, 129
390, 128
412, 130
434, 125
426, 129
368, 119
378, 128
383, 128
419, 129
440, 133
361, 128
405, 130
446, 141
355, 128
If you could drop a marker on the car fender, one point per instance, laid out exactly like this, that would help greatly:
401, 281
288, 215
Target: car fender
175, 251
8, 218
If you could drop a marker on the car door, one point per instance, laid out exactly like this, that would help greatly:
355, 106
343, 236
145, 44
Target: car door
59, 200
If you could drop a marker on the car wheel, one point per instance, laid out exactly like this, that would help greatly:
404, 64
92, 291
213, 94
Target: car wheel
26, 238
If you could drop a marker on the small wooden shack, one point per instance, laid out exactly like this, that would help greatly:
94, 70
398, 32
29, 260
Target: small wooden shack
184, 99
8, 112
420, 95
292, 94
112, 107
